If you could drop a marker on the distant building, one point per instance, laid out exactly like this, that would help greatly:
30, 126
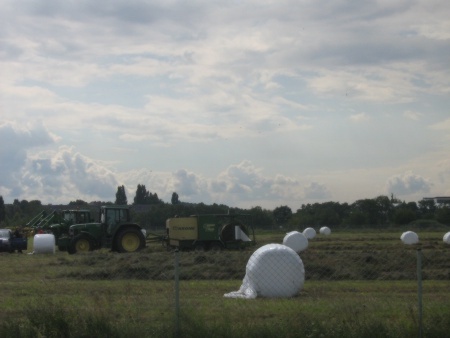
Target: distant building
439, 200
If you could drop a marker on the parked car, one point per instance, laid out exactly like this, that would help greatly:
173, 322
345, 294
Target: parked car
11, 243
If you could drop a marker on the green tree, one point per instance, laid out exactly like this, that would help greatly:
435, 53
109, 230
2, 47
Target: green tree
16, 203
24, 205
443, 215
356, 218
404, 216
427, 208
142, 195
261, 217
318, 214
153, 199
282, 214
175, 198
374, 212
145, 197
121, 196
2, 209
80, 202
385, 208
304, 216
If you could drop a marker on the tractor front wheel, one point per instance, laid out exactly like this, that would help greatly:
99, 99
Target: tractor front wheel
130, 240
81, 243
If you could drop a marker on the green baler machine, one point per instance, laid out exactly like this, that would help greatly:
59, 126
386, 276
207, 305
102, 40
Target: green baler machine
210, 232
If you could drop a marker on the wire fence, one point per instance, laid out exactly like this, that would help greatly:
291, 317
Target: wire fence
182, 291
414, 279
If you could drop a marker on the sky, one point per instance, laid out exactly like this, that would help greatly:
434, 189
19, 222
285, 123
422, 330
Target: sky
244, 103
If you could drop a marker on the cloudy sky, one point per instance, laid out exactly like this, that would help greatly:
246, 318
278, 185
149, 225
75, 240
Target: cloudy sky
246, 103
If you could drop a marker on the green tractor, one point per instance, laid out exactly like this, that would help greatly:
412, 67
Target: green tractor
58, 223
62, 222
114, 231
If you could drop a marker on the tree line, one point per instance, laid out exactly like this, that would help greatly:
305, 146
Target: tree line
150, 211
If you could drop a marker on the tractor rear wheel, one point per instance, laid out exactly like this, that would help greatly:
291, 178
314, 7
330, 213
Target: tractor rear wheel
130, 240
80, 243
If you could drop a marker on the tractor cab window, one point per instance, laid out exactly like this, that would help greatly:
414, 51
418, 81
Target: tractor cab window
113, 217
81, 218
116, 216
68, 217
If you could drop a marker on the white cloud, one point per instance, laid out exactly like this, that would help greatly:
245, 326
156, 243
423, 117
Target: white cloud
442, 125
359, 117
412, 115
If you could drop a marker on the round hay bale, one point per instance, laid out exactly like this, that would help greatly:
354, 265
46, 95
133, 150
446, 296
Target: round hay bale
409, 238
296, 241
446, 238
325, 231
44, 243
273, 271
310, 233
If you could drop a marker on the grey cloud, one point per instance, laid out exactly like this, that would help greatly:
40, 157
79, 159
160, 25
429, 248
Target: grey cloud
317, 191
16, 141
408, 183
15, 136
61, 176
239, 183
377, 50
238, 55
134, 11
245, 174
186, 183
88, 177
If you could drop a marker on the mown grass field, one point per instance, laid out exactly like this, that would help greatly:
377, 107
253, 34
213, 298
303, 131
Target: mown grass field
358, 284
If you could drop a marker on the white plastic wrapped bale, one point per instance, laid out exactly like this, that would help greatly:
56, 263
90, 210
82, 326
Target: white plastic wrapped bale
44, 243
325, 231
273, 271
446, 238
296, 241
409, 237
310, 233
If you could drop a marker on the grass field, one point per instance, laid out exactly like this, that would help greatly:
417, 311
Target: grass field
358, 284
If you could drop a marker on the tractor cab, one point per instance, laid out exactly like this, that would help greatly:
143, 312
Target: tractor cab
110, 218
76, 216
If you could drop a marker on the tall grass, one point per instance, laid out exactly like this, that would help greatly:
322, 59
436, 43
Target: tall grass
55, 320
